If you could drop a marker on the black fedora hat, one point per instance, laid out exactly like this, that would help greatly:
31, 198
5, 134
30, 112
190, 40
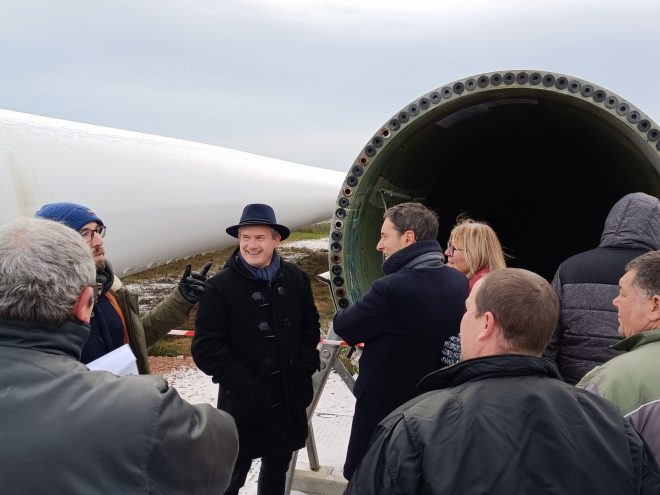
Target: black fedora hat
258, 214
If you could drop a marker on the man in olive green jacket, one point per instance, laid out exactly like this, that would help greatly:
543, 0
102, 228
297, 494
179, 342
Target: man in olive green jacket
116, 320
630, 380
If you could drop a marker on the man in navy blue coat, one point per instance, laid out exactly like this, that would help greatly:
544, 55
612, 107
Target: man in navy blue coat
403, 320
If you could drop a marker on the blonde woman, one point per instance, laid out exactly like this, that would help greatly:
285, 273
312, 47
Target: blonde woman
474, 249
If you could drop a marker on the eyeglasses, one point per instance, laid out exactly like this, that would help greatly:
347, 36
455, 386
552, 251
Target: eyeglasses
88, 234
97, 288
451, 248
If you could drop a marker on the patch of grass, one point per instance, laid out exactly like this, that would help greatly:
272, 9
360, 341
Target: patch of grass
303, 236
321, 227
171, 346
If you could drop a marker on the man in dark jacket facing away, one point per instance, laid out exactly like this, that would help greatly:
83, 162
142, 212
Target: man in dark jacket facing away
502, 421
256, 334
116, 319
403, 320
587, 282
66, 429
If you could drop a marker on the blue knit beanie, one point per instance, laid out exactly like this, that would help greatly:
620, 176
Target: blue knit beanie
70, 214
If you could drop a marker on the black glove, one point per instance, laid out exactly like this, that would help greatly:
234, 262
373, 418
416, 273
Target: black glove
451, 352
193, 285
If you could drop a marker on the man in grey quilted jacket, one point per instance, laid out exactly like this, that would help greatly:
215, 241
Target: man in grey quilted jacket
587, 282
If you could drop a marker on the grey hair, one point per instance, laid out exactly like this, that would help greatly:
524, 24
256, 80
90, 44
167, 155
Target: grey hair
44, 266
647, 276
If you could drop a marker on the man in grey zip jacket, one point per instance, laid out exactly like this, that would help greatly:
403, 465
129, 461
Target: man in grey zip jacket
66, 429
586, 284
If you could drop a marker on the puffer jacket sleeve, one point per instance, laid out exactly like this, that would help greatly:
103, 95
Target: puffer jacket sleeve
552, 350
193, 447
170, 313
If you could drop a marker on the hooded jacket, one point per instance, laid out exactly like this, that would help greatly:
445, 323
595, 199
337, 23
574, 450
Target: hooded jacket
66, 429
586, 284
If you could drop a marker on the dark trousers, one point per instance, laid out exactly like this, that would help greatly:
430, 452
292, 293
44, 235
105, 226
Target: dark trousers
366, 417
272, 475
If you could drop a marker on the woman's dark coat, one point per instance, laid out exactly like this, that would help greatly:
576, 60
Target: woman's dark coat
259, 342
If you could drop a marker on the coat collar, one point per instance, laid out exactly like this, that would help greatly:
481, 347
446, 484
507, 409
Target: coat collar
637, 340
509, 365
405, 256
67, 338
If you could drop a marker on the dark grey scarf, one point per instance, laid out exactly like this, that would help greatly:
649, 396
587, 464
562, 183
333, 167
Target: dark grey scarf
267, 273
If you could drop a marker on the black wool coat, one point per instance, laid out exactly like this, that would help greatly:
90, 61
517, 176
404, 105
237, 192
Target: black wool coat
259, 342
403, 321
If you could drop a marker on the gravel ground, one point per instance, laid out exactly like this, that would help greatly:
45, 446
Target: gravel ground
161, 365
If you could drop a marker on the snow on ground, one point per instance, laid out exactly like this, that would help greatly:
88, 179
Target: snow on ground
331, 422
319, 244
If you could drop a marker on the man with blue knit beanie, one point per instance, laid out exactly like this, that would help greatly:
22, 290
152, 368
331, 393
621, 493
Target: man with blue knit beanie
116, 320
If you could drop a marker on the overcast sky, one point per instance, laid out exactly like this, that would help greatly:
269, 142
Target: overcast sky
308, 81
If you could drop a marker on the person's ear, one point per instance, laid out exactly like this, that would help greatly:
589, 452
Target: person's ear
409, 237
489, 329
655, 307
82, 310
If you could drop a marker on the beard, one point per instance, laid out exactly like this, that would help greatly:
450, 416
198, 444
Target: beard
100, 263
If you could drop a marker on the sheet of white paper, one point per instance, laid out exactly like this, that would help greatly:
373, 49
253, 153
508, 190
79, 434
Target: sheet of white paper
121, 362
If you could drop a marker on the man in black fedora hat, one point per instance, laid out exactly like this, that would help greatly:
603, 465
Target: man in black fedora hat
256, 334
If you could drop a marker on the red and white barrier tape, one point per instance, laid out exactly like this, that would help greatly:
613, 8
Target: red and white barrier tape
187, 333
